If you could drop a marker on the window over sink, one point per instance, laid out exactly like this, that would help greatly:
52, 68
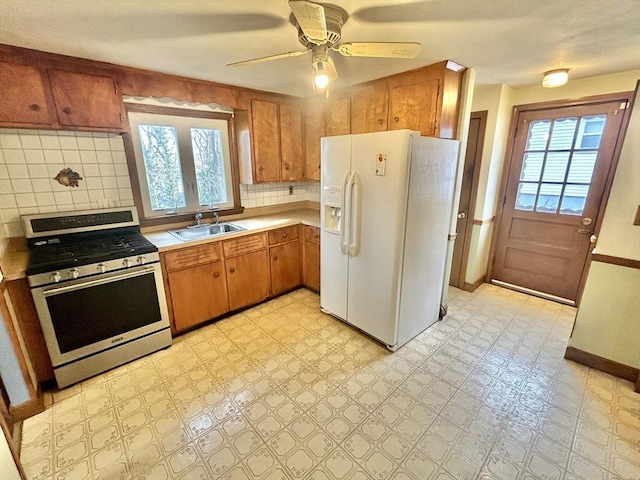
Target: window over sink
183, 159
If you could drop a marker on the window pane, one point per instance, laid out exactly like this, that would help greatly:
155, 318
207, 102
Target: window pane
526, 196
208, 158
555, 167
548, 198
573, 199
531, 166
538, 135
562, 134
591, 129
162, 166
582, 165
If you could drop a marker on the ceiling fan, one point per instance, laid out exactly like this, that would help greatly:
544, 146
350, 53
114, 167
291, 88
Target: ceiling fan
320, 30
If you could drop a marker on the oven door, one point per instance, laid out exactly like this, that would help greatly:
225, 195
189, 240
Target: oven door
86, 316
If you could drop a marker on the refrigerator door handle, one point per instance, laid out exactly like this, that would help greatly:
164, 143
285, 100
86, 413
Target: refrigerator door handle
343, 212
355, 196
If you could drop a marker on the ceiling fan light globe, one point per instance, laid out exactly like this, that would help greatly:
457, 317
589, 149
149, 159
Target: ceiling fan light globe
321, 80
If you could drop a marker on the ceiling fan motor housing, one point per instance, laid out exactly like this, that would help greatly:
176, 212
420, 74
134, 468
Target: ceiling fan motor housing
334, 19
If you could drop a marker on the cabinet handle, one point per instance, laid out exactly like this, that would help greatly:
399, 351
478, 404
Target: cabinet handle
275, 257
284, 235
216, 274
396, 119
34, 107
286, 167
379, 121
260, 168
232, 270
120, 115
67, 110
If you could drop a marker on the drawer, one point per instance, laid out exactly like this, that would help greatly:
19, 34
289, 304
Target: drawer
281, 235
188, 257
312, 234
246, 244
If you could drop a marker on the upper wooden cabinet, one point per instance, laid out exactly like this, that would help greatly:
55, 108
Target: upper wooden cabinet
87, 100
414, 107
23, 98
369, 109
338, 116
275, 153
33, 97
313, 131
425, 100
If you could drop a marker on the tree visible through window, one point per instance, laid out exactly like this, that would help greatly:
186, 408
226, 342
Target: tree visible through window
183, 162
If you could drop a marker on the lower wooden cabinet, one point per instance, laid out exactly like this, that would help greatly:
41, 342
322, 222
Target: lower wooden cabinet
247, 278
285, 267
311, 258
198, 294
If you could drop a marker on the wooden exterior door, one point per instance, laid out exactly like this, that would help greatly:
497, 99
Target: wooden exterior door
466, 213
559, 166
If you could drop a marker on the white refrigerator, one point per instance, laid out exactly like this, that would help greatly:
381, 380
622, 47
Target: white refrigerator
386, 201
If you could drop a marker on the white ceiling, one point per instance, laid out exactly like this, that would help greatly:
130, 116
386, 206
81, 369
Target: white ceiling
506, 41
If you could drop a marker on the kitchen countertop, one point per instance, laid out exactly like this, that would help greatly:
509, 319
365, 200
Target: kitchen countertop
306, 216
14, 255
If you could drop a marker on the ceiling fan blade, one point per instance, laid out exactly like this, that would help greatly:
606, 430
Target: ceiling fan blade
330, 69
310, 17
268, 58
383, 49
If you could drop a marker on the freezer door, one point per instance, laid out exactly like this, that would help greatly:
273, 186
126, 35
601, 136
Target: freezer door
378, 192
335, 169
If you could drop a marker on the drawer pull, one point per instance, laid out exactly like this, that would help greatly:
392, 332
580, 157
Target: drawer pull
396, 119
275, 257
216, 274
232, 270
261, 168
284, 235
34, 107
379, 121
67, 110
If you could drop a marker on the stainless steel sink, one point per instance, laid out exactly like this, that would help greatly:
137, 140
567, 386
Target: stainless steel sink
204, 231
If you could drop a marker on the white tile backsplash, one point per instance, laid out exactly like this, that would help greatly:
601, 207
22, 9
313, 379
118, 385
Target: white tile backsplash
29, 159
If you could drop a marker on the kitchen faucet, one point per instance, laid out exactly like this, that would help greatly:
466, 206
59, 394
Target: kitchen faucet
198, 218
215, 214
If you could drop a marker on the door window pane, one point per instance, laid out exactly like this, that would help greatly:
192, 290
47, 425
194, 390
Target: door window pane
208, 157
526, 196
591, 129
161, 158
532, 166
574, 199
582, 165
562, 133
538, 135
555, 167
548, 197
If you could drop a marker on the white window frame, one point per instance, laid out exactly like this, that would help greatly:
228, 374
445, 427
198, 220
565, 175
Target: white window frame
183, 122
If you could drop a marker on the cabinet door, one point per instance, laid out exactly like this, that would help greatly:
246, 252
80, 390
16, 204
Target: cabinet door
369, 110
311, 265
22, 96
266, 141
313, 132
291, 142
285, 267
338, 117
414, 107
87, 100
247, 279
198, 294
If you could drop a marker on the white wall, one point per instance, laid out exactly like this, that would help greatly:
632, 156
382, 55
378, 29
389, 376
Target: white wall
8, 469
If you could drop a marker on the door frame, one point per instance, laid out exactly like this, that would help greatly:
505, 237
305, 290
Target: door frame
471, 221
623, 97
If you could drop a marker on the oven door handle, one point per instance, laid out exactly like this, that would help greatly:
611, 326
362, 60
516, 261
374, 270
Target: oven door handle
100, 281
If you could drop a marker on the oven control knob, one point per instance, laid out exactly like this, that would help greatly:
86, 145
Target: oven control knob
102, 267
141, 260
127, 262
74, 273
56, 277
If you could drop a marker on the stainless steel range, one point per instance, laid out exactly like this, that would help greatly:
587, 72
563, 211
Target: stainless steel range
97, 286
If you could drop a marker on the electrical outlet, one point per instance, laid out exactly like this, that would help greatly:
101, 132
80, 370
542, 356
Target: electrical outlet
290, 189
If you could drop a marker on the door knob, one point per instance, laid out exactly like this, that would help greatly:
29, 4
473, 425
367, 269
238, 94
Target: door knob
593, 238
462, 215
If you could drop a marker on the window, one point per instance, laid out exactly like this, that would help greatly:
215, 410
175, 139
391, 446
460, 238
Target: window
183, 161
559, 159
